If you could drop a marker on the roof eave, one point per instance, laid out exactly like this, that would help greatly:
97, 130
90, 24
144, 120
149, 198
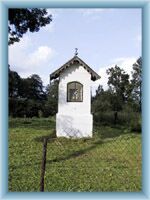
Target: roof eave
93, 77
56, 74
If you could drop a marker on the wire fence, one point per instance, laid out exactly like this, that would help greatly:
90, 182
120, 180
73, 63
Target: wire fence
109, 161
97, 164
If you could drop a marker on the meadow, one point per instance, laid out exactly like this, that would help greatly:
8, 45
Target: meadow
110, 161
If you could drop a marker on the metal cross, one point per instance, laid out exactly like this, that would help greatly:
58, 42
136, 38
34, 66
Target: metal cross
76, 51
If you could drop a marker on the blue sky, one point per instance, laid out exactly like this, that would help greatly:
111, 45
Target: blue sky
104, 37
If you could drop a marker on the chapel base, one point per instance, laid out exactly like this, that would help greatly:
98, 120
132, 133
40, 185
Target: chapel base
74, 126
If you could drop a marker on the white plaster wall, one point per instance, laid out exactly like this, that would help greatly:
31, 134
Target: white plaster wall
74, 126
74, 119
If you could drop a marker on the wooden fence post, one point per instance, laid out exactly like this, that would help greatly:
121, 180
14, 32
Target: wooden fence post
43, 165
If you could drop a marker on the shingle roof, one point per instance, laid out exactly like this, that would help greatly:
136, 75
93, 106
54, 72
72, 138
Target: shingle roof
75, 60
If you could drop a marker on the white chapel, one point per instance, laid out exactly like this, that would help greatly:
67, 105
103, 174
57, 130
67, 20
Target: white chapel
74, 118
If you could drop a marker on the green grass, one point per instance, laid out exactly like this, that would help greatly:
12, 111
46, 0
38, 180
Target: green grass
110, 161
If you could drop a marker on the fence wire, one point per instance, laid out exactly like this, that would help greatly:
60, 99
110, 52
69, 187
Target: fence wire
109, 161
97, 164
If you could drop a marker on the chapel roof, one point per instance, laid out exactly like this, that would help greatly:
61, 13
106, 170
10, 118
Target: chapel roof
74, 60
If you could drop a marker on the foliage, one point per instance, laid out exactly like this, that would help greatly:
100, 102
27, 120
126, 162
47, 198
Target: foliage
137, 81
110, 161
32, 88
28, 98
101, 101
118, 81
126, 119
51, 105
14, 83
136, 124
121, 102
23, 20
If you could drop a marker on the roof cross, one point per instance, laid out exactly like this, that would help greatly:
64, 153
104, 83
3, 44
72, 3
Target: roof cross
76, 51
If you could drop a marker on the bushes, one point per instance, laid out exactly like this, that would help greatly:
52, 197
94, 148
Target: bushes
132, 120
136, 125
24, 107
101, 118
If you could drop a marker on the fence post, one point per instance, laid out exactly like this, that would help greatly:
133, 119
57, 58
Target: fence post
43, 165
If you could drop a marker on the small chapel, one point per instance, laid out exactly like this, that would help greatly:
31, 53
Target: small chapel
74, 118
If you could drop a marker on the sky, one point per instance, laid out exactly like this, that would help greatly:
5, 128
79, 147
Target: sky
104, 38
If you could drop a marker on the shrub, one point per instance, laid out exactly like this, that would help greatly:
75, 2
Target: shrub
131, 120
136, 125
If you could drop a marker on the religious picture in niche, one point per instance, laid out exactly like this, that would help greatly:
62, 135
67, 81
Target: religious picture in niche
74, 92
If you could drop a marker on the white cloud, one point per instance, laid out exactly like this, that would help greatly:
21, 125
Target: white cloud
17, 52
27, 58
39, 56
123, 62
102, 81
92, 11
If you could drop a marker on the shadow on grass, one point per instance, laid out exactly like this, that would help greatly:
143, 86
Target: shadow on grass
77, 153
52, 138
102, 136
112, 132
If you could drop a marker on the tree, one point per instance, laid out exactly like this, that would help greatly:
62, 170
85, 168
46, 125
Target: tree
22, 20
14, 83
36, 87
99, 90
102, 106
26, 95
137, 81
118, 82
51, 104
101, 100
32, 88
120, 89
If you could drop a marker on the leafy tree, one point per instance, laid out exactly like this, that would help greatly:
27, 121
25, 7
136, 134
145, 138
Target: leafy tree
105, 105
51, 104
137, 81
120, 89
22, 20
99, 90
14, 83
17, 107
118, 82
26, 96
33, 107
32, 88
101, 101
36, 87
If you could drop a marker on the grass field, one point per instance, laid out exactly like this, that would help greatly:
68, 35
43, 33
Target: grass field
110, 161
